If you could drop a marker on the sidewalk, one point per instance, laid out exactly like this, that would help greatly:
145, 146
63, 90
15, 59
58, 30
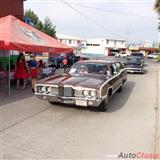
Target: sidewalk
157, 129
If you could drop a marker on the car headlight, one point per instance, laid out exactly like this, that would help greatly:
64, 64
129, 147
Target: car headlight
43, 89
93, 93
85, 93
48, 90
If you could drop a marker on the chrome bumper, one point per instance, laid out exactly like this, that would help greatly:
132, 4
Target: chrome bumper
134, 70
71, 100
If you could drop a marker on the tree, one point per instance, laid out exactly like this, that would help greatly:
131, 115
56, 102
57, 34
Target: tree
157, 6
46, 27
30, 14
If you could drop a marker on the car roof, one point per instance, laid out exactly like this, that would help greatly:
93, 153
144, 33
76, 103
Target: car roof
126, 61
129, 57
106, 61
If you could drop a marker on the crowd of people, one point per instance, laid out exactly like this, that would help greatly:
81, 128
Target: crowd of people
24, 70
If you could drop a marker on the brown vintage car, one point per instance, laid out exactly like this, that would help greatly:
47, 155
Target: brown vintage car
88, 83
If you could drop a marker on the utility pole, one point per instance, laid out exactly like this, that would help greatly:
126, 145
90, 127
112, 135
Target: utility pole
127, 36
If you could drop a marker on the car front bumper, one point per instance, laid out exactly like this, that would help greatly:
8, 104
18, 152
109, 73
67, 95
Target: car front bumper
85, 102
134, 70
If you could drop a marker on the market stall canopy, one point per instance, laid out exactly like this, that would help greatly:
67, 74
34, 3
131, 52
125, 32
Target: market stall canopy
17, 35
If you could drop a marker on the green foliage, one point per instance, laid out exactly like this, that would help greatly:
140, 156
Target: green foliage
158, 58
46, 27
157, 6
30, 14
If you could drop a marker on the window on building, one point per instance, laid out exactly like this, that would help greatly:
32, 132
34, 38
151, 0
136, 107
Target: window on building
107, 41
70, 41
88, 44
115, 43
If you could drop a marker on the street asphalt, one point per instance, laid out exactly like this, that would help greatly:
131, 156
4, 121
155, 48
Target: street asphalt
35, 129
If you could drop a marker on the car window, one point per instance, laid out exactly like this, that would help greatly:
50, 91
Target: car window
114, 69
137, 54
89, 68
119, 65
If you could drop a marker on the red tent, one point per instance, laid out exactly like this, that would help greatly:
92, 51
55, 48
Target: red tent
17, 35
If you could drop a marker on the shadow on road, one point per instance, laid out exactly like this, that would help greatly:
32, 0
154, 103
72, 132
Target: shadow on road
16, 95
119, 99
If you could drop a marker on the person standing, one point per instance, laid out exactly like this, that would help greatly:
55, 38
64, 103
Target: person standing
33, 65
65, 64
21, 71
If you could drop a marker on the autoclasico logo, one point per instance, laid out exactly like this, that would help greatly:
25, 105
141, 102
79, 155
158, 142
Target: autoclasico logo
139, 155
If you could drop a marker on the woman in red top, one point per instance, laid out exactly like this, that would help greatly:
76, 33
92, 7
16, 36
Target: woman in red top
21, 71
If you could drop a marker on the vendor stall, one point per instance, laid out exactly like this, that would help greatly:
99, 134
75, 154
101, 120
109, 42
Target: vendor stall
17, 35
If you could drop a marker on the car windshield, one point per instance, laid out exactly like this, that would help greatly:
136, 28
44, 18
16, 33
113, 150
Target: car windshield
137, 54
89, 68
133, 59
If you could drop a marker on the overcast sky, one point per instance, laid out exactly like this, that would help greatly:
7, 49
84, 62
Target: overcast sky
128, 19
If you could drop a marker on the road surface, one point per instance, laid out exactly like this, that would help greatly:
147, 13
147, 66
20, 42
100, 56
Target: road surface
35, 129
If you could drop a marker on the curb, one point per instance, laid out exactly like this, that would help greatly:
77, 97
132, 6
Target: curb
157, 131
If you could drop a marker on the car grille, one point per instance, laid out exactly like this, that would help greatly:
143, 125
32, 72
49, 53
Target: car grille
66, 91
54, 90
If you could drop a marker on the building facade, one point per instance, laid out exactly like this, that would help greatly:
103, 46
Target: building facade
76, 43
12, 7
93, 46
103, 47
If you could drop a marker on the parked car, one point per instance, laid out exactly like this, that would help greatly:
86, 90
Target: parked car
57, 60
133, 66
153, 55
121, 55
157, 59
139, 55
88, 83
135, 59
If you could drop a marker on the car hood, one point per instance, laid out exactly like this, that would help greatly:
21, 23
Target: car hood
89, 81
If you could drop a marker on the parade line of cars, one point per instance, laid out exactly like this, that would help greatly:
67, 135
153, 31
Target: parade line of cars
89, 82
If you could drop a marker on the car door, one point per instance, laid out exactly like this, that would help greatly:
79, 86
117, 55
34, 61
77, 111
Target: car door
114, 82
122, 72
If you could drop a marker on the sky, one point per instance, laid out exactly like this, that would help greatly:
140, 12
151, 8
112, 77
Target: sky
133, 20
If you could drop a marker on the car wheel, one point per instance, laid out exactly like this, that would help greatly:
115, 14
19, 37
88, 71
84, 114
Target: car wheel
120, 89
104, 104
61, 65
52, 102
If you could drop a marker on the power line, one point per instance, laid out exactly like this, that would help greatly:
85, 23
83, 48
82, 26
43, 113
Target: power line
117, 12
87, 17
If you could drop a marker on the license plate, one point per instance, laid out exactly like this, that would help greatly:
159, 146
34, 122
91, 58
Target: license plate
81, 103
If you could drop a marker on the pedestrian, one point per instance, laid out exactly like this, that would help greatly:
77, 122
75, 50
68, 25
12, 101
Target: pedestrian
21, 71
65, 62
33, 65
41, 65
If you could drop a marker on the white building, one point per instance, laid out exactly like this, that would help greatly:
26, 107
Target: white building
93, 46
103, 46
76, 43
